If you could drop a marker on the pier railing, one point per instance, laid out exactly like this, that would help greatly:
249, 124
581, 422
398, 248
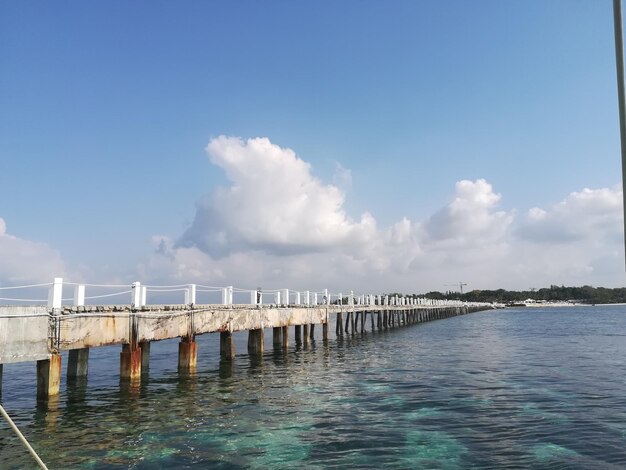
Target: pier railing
137, 296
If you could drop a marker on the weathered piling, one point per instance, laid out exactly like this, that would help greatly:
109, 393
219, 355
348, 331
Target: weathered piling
298, 334
285, 337
277, 336
339, 328
305, 334
130, 362
145, 356
77, 363
255, 342
187, 354
227, 345
48, 376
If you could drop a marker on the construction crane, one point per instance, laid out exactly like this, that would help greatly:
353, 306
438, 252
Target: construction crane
459, 284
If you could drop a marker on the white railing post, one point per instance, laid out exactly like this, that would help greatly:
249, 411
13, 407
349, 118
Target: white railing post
224, 295
315, 298
190, 294
144, 295
135, 295
253, 297
307, 298
285, 297
277, 298
55, 294
79, 295
340, 298
326, 297
298, 299
351, 298
230, 295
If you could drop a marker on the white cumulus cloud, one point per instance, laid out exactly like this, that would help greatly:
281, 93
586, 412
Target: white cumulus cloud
24, 261
273, 203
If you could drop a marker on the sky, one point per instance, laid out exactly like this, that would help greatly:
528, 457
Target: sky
357, 145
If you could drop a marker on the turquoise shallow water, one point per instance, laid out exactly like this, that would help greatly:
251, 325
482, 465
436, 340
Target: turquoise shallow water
535, 388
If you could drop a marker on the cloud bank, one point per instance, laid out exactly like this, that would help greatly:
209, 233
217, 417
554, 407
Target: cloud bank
276, 223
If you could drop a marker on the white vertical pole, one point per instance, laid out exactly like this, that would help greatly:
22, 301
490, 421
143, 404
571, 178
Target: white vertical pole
144, 295
340, 298
351, 298
285, 297
190, 294
224, 295
326, 297
230, 295
298, 300
277, 298
253, 296
135, 295
55, 294
315, 299
79, 295
307, 298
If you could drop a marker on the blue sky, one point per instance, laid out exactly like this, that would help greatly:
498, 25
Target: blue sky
108, 108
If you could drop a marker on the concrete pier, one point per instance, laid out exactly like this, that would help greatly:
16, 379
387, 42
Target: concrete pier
48, 376
130, 363
78, 363
41, 333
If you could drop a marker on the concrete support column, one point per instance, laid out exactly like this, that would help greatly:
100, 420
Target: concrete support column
277, 334
48, 376
227, 345
130, 363
285, 337
78, 363
187, 354
298, 330
352, 326
339, 328
312, 333
145, 356
305, 334
255, 342
325, 331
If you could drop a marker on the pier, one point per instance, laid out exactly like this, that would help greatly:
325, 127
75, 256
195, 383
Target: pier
40, 333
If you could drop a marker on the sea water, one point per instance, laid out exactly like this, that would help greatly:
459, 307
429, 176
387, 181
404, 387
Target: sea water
515, 388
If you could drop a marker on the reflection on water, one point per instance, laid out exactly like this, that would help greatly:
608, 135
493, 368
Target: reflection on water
516, 388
